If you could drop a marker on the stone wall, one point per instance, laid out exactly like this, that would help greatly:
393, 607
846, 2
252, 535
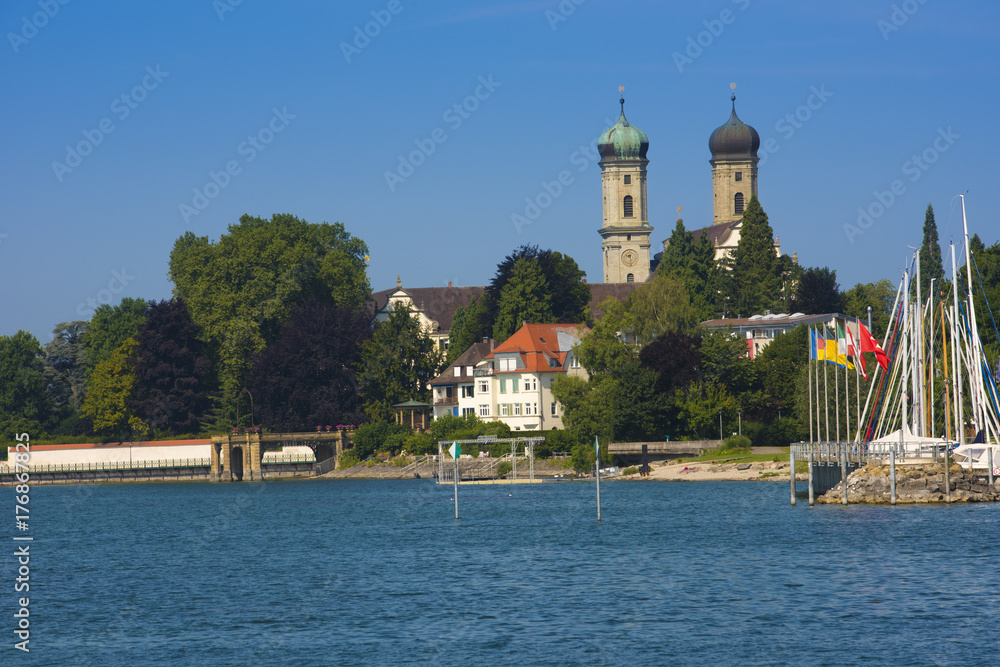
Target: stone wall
914, 484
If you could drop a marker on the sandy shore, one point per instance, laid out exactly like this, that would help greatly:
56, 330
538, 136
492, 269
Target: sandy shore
720, 471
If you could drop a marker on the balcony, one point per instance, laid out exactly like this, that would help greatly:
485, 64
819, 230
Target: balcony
483, 372
450, 400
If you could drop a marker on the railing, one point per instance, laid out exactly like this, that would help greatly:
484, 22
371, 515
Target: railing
106, 466
289, 458
864, 452
483, 372
326, 466
453, 400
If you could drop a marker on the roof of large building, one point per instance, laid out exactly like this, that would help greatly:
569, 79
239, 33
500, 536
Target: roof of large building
716, 233
773, 321
734, 139
537, 343
623, 141
471, 357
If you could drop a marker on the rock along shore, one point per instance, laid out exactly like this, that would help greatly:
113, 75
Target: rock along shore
923, 483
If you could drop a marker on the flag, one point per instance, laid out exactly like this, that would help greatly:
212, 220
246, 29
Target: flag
852, 351
842, 359
831, 345
869, 344
813, 353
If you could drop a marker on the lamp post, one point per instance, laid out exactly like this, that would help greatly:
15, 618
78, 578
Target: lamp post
869, 319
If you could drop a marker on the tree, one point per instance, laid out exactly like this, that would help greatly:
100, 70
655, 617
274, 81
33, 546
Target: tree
111, 392
524, 298
569, 296
24, 406
880, 296
693, 262
818, 292
396, 365
171, 370
241, 289
468, 325
111, 326
309, 375
757, 270
657, 307
931, 266
66, 366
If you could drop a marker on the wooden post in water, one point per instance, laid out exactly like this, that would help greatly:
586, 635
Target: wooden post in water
989, 455
812, 497
892, 477
456, 488
947, 477
791, 474
842, 449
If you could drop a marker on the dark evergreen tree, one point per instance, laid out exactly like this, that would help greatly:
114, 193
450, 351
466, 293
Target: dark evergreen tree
308, 375
66, 366
757, 271
569, 296
525, 298
24, 405
171, 370
468, 325
931, 265
693, 262
818, 292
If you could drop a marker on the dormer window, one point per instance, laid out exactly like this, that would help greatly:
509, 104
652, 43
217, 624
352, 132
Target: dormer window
628, 206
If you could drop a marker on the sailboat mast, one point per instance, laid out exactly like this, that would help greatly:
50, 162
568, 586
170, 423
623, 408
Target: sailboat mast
957, 373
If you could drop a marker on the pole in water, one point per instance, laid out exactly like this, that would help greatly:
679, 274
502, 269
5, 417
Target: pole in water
597, 471
812, 497
990, 456
791, 474
947, 477
892, 477
843, 470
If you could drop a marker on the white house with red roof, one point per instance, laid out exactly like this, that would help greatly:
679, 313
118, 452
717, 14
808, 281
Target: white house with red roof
514, 381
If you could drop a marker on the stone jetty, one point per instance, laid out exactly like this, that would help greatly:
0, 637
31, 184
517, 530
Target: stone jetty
922, 483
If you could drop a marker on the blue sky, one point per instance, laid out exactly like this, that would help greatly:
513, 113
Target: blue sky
309, 117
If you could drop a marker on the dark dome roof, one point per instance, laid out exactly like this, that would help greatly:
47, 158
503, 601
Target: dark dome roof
734, 140
623, 141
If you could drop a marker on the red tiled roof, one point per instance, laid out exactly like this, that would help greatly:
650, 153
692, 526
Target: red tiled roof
537, 343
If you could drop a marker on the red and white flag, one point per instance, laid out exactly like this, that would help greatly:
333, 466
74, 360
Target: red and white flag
869, 344
852, 350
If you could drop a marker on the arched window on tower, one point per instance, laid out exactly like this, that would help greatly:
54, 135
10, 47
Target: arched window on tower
630, 278
738, 203
628, 206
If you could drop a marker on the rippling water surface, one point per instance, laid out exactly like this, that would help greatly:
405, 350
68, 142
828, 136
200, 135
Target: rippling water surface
379, 572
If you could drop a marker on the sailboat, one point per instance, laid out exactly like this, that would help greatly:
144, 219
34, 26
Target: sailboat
928, 361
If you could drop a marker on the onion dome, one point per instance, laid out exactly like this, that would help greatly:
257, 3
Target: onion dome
735, 140
623, 141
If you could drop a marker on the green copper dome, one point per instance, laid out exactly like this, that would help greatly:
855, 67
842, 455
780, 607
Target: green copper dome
623, 141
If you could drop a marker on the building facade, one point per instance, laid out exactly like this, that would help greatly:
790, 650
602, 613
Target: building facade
454, 391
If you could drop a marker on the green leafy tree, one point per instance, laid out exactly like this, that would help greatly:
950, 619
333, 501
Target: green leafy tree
241, 289
396, 365
24, 405
657, 307
112, 390
880, 295
757, 272
111, 326
818, 292
469, 325
524, 298
931, 266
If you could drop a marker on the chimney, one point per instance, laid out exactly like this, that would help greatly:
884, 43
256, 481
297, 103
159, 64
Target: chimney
449, 283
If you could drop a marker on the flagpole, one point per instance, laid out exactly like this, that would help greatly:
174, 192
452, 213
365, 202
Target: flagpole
818, 430
597, 471
826, 384
809, 384
836, 387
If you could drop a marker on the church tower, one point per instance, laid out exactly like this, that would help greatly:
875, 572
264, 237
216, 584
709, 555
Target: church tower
734, 167
625, 232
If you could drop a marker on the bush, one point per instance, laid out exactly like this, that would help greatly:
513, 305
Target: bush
632, 470
736, 444
348, 459
380, 436
504, 468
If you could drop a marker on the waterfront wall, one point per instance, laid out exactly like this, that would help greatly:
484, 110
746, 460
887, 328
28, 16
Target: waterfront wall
138, 453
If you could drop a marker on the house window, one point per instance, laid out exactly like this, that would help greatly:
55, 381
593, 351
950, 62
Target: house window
738, 203
504, 409
484, 410
574, 362
458, 371
483, 387
553, 409
628, 237
517, 409
630, 278
469, 371
468, 411
628, 206
739, 176
628, 179
503, 386
468, 391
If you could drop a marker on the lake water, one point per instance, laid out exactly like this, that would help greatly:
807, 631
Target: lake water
346, 572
